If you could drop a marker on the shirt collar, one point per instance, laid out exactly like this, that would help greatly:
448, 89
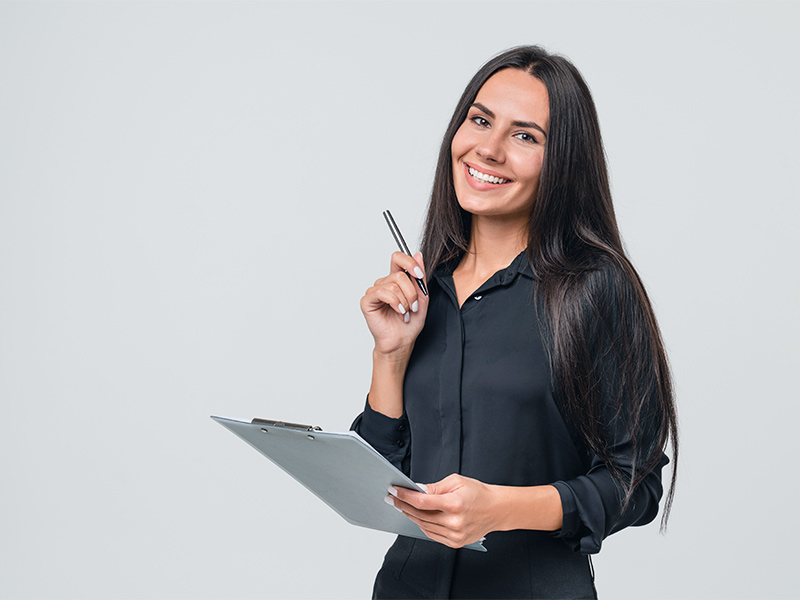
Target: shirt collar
519, 266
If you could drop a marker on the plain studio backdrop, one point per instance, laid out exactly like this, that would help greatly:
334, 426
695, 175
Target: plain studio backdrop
190, 210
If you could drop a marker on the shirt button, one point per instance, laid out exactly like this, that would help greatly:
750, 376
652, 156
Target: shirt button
478, 297
401, 428
400, 443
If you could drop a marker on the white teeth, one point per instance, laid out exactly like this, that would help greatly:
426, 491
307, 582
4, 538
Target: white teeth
484, 177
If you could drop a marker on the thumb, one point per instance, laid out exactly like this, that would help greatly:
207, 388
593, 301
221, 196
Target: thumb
445, 486
420, 261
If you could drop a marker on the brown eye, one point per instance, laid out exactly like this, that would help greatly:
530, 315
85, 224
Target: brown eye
526, 137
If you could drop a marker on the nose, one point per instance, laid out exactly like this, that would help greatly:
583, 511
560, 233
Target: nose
491, 148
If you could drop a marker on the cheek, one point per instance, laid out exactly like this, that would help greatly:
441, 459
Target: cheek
460, 144
533, 171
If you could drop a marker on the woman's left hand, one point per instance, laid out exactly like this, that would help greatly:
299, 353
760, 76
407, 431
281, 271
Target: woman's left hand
456, 511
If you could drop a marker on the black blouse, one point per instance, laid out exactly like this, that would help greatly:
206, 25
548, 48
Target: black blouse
478, 401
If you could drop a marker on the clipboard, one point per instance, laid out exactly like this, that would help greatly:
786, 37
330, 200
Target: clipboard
340, 468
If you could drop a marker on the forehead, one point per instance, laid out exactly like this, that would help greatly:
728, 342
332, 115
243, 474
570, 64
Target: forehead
516, 95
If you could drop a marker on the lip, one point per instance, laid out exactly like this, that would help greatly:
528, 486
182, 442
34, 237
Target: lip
483, 186
488, 171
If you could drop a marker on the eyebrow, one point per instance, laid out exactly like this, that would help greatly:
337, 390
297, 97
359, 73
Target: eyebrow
526, 124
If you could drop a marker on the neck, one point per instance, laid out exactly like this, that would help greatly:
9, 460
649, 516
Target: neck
493, 245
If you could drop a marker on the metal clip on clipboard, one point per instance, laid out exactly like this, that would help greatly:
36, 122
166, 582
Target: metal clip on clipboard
286, 425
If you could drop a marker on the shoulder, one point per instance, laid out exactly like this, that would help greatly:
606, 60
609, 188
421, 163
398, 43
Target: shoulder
603, 279
613, 280
612, 275
607, 301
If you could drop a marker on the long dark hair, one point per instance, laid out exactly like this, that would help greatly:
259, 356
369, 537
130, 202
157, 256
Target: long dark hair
596, 319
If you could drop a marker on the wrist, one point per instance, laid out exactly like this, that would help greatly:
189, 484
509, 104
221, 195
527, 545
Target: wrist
537, 507
386, 389
395, 360
499, 507
503, 501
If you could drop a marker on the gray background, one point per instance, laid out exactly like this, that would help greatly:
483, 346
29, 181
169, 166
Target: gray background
190, 210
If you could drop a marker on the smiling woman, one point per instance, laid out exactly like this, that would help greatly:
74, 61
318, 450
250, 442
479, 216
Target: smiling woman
530, 391
498, 150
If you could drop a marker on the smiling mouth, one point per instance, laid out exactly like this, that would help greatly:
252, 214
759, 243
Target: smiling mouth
475, 174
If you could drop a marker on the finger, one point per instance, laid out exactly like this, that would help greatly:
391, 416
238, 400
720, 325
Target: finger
430, 516
444, 486
420, 261
414, 269
422, 279
420, 501
453, 521
403, 262
432, 529
406, 495
439, 534
401, 285
409, 501
444, 535
442, 527
385, 295
408, 287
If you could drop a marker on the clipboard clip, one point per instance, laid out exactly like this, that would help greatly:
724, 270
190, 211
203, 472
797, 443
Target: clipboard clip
286, 425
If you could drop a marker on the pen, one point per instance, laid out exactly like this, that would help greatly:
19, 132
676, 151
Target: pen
401, 243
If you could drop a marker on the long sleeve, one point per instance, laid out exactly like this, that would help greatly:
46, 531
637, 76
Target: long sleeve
391, 437
592, 506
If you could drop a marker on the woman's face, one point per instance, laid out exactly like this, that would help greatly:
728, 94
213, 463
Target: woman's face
498, 150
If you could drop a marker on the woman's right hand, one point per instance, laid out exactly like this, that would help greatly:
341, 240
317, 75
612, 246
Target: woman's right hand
395, 308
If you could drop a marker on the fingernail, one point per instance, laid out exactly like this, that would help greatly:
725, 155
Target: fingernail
415, 306
402, 310
418, 272
393, 491
423, 486
389, 501
407, 317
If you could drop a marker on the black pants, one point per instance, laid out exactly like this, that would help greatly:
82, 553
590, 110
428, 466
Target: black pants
518, 564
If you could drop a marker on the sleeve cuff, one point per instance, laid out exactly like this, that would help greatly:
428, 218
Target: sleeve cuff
390, 437
571, 522
574, 532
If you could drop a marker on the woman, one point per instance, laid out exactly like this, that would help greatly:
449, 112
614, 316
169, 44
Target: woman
530, 391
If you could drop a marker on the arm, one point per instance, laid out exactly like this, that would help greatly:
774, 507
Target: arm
593, 506
459, 510
386, 388
627, 393
395, 312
